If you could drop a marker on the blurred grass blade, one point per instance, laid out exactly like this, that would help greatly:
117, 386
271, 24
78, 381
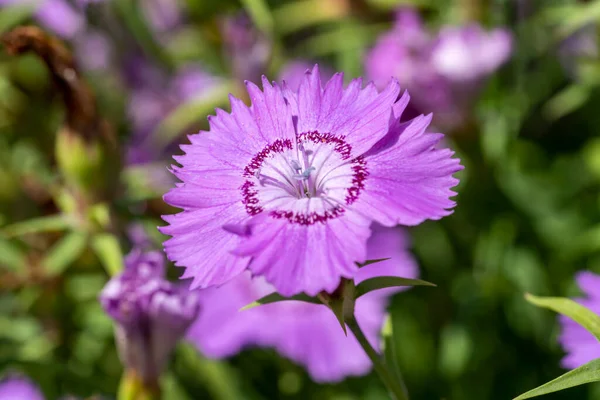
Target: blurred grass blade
587, 373
578, 313
260, 14
49, 223
132, 16
383, 282
64, 253
174, 124
276, 298
369, 262
107, 248
11, 256
219, 378
390, 353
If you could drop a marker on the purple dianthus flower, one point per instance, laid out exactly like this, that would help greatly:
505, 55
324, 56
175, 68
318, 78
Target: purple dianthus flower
151, 313
444, 71
581, 346
19, 388
289, 187
308, 334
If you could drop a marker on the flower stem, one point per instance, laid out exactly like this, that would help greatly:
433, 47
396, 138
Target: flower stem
395, 387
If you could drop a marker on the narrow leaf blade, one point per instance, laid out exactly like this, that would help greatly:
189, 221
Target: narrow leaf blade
64, 253
587, 373
276, 298
382, 282
49, 223
369, 262
107, 248
578, 313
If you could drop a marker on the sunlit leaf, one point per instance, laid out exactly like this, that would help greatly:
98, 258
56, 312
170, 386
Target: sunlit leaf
276, 298
260, 14
587, 373
107, 248
369, 262
64, 253
389, 350
578, 313
49, 223
383, 282
11, 256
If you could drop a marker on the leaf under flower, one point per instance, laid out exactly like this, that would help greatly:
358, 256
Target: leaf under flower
383, 282
587, 373
276, 298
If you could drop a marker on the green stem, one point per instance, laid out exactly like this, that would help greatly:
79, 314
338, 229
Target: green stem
132, 387
395, 387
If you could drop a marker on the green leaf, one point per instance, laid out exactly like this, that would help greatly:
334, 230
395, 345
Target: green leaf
49, 223
578, 313
11, 256
260, 14
276, 298
107, 248
64, 253
14, 15
383, 282
388, 348
587, 373
369, 262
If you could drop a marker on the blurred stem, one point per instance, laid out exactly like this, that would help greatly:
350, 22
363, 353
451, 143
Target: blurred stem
394, 384
133, 388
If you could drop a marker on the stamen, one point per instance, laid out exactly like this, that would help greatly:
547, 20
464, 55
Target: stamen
305, 174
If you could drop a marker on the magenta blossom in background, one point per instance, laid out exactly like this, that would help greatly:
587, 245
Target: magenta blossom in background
19, 388
581, 346
58, 16
308, 334
154, 95
292, 73
247, 49
289, 187
445, 71
151, 313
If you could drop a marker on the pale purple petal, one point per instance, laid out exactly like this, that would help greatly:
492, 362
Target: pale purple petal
19, 388
281, 251
60, 17
409, 178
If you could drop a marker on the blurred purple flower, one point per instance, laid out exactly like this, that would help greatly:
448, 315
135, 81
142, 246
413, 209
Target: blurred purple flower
19, 388
308, 334
247, 49
581, 45
163, 15
579, 344
151, 313
293, 73
153, 96
444, 73
303, 174
58, 16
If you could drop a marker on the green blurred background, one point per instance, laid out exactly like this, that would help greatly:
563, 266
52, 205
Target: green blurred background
528, 214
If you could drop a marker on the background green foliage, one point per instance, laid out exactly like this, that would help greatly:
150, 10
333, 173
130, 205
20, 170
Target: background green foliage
528, 214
